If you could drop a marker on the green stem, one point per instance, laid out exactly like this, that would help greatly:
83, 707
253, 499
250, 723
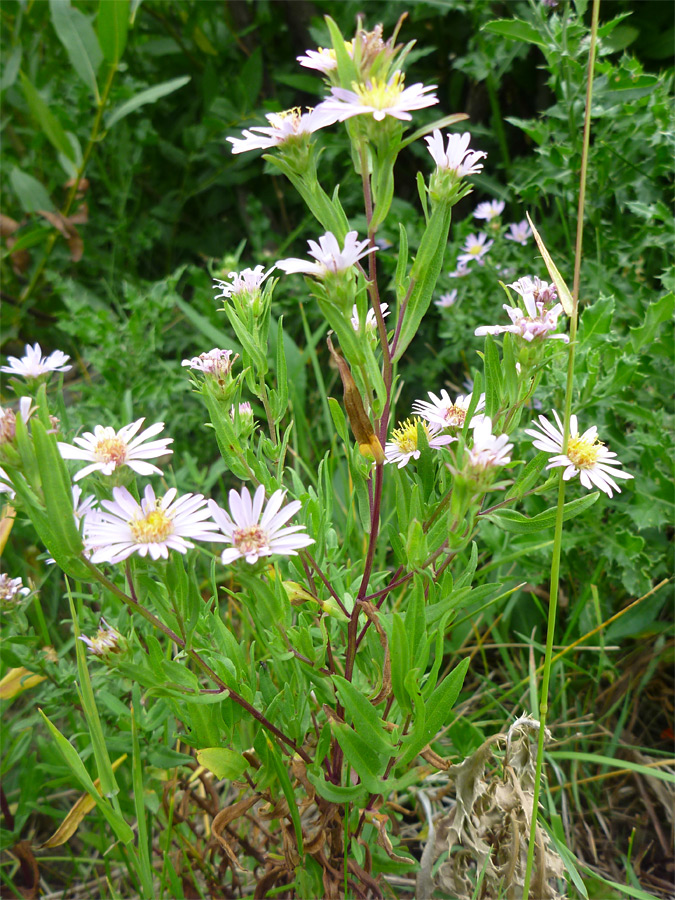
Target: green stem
93, 137
557, 539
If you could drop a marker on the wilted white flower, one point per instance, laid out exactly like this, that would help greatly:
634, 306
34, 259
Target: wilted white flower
253, 532
12, 591
329, 258
155, 526
445, 301
455, 156
323, 59
542, 292
8, 419
371, 321
106, 640
379, 98
403, 444
217, 363
444, 413
488, 210
475, 247
586, 455
108, 450
247, 282
520, 232
34, 364
538, 323
283, 126
488, 450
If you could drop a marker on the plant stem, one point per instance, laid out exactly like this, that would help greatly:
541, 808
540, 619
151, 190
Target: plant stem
557, 539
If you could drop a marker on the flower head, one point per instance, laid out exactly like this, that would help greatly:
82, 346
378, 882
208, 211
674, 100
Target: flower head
329, 258
371, 321
488, 450
8, 419
34, 364
543, 293
403, 444
475, 247
283, 126
520, 232
445, 301
461, 271
254, 532
12, 592
455, 156
105, 641
155, 526
538, 323
586, 455
323, 59
108, 450
488, 210
444, 413
246, 283
379, 98
217, 363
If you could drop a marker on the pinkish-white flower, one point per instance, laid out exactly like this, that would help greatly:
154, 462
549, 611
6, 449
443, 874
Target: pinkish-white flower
443, 412
284, 126
455, 156
543, 293
585, 456
152, 527
329, 258
34, 364
371, 321
6, 484
380, 99
475, 247
403, 444
490, 209
461, 271
105, 641
488, 450
217, 363
520, 232
12, 592
323, 59
445, 301
537, 323
107, 450
245, 283
255, 532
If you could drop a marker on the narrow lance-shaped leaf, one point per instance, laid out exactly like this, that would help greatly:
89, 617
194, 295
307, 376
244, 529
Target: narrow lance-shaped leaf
47, 121
149, 95
75, 32
112, 25
564, 294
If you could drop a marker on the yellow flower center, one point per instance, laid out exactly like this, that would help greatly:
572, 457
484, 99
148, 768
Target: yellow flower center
405, 436
380, 94
112, 450
249, 539
454, 416
152, 529
475, 249
583, 453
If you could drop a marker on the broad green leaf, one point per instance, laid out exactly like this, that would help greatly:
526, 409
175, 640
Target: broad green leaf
516, 30
31, 193
656, 314
112, 25
515, 522
222, 762
149, 95
364, 716
47, 120
75, 32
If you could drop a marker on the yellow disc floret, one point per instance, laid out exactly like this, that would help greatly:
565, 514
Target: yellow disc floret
583, 453
379, 93
153, 528
405, 436
111, 450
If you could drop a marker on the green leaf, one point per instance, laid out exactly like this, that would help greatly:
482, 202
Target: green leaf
564, 294
368, 764
145, 866
11, 68
400, 662
646, 771
656, 314
222, 762
31, 193
335, 793
493, 377
112, 25
596, 321
57, 491
75, 32
289, 794
149, 95
528, 476
364, 716
516, 30
515, 522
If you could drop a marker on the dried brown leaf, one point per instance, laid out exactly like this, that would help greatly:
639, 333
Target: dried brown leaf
223, 819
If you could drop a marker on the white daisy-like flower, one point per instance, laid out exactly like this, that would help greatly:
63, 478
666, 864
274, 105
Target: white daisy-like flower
254, 532
245, 283
371, 321
155, 526
446, 413
34, 364
455, 156
488, 210
329, 258
105, 641
488, 450
283, 126
538, 323
323, 59
586, 455
475, 247
445, 301
461, 271
542, 292
108, 450
520, 232
12, 592
379, 98
403, 444
5, 484
217, 363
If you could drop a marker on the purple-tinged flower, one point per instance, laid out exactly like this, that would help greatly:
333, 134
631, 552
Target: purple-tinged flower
329, 258
455, 156
520, 232
461, 271
475, 247
34, 364
443, 412
380, 99
488, 450
254, 532
108, 450
445, 301
543, 293
538, 323
488, 210
106, 640
585, 456
371, 321
246, 283
12, 592
403, 444
216, 363
283, 127
323, 59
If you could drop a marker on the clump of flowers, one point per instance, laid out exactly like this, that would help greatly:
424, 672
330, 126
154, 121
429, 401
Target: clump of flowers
34, 364
107, 450
245, 284
379, 99
536, 322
